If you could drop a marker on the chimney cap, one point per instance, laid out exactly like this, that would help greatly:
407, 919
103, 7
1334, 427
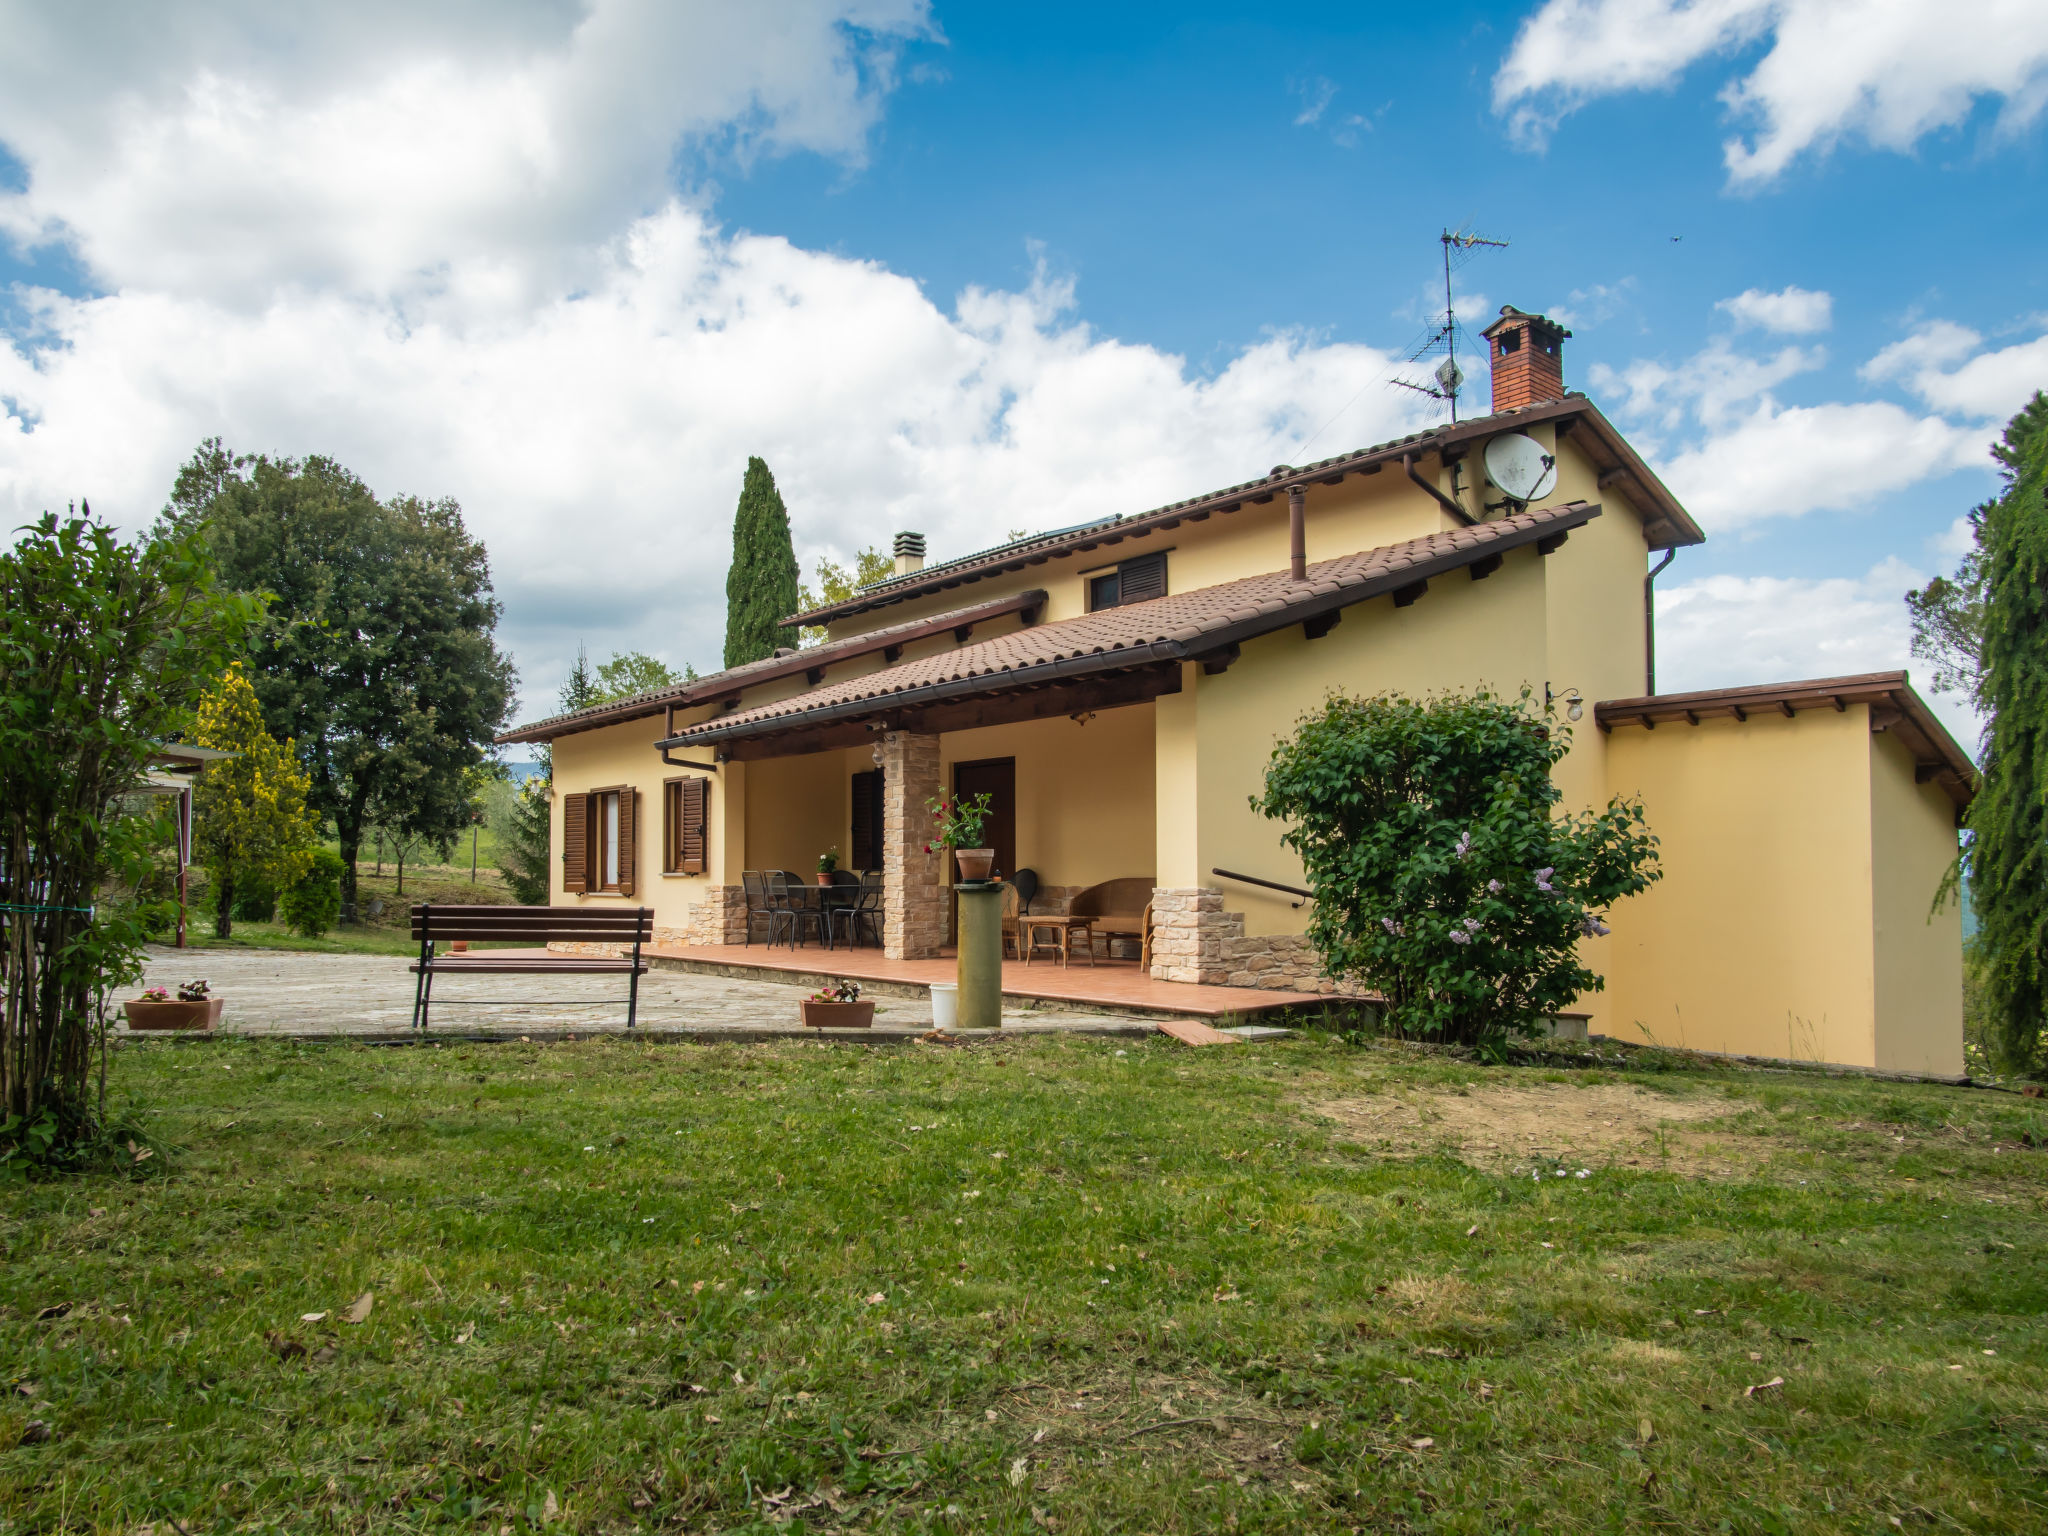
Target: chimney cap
908, 543
1545, 327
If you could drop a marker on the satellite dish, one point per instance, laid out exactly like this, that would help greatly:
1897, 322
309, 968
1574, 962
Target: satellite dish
1449, 376
1520, 467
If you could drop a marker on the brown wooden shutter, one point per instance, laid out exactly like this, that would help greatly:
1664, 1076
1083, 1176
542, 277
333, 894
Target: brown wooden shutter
629, 842
695, 846
1142, 578
576, 843
866, 842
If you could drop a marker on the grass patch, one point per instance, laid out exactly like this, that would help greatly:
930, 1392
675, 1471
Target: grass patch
1048, 1284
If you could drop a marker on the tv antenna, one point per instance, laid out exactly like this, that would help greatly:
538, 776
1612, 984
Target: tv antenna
1460, 246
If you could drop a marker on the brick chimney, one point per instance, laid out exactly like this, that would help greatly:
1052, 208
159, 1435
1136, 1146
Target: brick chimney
1527, 354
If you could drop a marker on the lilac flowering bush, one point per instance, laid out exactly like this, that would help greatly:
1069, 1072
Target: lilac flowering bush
1446, 877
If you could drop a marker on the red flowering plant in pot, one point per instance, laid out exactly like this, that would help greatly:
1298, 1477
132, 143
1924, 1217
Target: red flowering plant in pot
957, 824
195, 1007
838, 1007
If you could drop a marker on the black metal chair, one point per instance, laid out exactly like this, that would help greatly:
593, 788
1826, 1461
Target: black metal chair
756, 885
789, 903
865, 910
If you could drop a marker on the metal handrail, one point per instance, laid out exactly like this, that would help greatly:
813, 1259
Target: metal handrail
1271, 885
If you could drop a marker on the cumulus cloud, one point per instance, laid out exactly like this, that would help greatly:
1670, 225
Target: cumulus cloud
1791, 311
1940, 362
486, 148
1887, 72
1710, 385
1726, 631
597, 439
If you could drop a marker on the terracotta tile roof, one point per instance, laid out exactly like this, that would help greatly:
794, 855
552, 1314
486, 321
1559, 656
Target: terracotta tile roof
731, 681
1182, 626
1669, 523
1894, 706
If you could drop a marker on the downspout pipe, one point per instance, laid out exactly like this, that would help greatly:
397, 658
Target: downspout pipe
1650, 622
1465, 519
1297, 533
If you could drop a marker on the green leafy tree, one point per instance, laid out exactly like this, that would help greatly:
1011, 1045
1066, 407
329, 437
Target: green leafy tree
1947, 615
311, 903
631, 672
382, 662
761, 584
2008, 821
250, 823
1445, 877
105, 648
522, 828
836, 584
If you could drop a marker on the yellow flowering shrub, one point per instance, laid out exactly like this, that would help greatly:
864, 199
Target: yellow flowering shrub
250, 817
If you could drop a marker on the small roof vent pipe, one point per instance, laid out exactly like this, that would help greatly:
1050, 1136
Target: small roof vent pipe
909, 553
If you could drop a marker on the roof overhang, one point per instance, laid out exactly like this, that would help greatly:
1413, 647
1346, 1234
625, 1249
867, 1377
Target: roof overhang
1894, 707
1666, 523
1148, 669
810, 662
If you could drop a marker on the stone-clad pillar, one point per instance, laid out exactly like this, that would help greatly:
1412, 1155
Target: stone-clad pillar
914, 883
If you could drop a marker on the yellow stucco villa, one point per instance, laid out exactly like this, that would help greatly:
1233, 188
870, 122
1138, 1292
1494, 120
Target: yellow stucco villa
1118, 687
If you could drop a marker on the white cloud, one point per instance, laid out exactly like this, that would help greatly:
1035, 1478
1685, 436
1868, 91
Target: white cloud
597, 439
1791, 311
1936, 363
1785, 461
1729, 631
1711, 385
1316, 95
485, 150
1888, 72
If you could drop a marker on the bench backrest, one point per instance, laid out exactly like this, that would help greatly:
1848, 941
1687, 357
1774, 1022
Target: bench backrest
533, 925
1114, 898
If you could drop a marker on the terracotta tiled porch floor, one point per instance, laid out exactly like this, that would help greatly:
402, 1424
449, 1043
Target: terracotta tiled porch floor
1114, 985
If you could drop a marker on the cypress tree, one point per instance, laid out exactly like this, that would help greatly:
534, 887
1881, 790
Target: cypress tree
760, 588
2009, 819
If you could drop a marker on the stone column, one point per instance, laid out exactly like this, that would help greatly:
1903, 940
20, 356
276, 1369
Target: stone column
913, 882
1191, 935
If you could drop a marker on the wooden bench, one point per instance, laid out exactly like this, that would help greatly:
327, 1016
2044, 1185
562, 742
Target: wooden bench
540, 926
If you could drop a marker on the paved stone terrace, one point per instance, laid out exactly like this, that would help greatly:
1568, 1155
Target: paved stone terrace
285, 992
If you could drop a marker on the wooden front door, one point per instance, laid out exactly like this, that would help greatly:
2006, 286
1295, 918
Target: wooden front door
995, 777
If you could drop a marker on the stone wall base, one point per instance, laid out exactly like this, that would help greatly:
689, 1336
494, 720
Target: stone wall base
1195, 940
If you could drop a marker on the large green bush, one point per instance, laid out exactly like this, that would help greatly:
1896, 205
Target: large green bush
311, 903
1445, 877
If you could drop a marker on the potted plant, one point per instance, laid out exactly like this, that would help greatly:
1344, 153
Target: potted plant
838, 1007
195, 1007
957, 824
827, 862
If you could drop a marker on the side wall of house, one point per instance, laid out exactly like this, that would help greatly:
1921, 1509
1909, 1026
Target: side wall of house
1759, 938
1919, 951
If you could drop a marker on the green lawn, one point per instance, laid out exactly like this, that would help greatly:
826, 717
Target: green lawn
1048, 1284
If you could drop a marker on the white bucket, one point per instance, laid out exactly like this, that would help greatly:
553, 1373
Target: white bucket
945, 1004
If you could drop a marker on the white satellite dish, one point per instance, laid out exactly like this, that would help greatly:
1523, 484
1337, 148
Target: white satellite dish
1520, 467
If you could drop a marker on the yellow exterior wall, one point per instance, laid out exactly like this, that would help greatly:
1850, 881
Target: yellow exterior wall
1919, 957
1459, 635
1759, 938
797, 807
1084, 792
624, 754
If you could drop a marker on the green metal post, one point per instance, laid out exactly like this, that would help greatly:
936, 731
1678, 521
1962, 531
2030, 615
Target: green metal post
981, 954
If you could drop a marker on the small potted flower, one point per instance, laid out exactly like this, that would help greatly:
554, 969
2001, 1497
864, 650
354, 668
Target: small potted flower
838, 1007
957, 824
195, 1007
828, 861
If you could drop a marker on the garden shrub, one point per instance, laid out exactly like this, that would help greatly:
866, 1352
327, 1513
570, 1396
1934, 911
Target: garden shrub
1445, 877
311, 903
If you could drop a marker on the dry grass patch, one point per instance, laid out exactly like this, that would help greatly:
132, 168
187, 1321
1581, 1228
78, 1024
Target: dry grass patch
1611, 1123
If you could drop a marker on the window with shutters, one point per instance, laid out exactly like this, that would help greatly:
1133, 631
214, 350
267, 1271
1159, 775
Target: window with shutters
1135, 581
598, 840
685, 826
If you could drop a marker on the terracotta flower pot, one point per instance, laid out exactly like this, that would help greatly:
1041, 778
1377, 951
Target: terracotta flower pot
838, 1015
824, 877
975, 863
174, 1015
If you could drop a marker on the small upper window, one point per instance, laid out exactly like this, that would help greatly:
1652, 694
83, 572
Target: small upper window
1135, 581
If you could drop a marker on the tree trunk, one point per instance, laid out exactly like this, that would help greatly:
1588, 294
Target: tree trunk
398, 846
348, 833
224, 905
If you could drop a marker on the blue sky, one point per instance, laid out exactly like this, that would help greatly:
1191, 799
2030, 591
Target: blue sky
976, 268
